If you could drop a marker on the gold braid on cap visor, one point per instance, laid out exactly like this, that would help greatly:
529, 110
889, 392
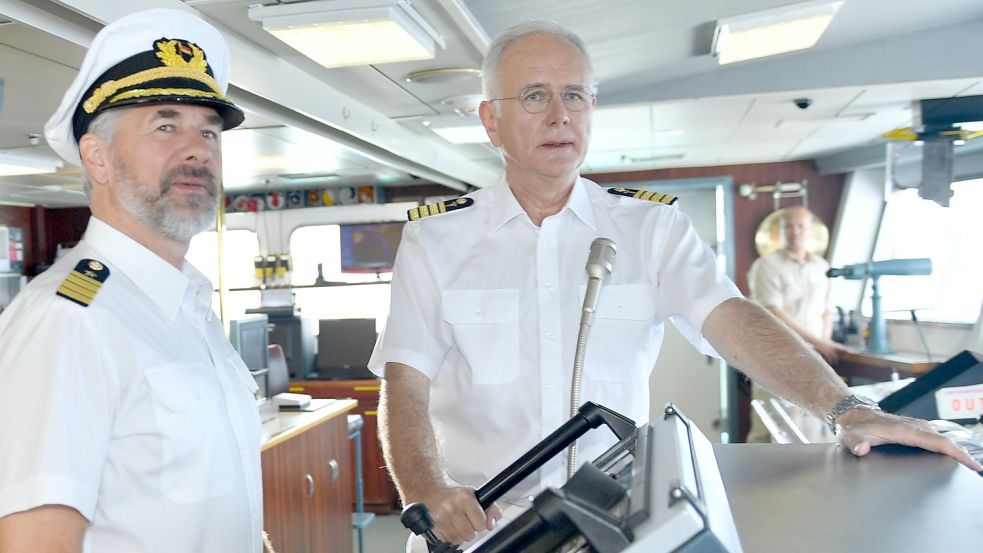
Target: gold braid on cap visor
108, 88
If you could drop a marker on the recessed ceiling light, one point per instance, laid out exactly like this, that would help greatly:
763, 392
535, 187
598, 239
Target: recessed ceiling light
340, 33
462, 134
442, 75
772, 31
465, 104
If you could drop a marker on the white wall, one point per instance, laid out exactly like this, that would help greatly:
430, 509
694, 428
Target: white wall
855, 231
274, 227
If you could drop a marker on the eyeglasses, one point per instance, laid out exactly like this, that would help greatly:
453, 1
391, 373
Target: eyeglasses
535, 99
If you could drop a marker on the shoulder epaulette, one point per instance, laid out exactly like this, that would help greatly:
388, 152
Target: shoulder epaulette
83, 283
641, 194
437, 208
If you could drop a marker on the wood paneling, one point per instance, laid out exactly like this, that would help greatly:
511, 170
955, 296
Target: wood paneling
43, 230
378, 488
61, 226
296, 520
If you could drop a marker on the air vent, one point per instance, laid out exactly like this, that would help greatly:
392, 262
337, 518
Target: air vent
650, 159
299, 176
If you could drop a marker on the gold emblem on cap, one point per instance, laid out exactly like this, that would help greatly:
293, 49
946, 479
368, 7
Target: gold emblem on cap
172, 54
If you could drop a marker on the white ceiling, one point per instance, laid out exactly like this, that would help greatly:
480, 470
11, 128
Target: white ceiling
663, 100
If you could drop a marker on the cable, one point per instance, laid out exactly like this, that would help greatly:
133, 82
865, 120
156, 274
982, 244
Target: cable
914, 319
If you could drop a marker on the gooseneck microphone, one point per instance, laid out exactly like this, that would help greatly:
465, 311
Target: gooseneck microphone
600, 263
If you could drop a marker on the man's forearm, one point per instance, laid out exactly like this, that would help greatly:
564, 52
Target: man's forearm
794, 325
757, 343
406, 434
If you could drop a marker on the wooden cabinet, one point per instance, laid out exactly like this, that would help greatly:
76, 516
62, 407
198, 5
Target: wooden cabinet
307, 481
380, 493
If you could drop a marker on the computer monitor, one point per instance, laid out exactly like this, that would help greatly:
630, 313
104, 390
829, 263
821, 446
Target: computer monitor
344, 347
250, 337
369, 247
919, 398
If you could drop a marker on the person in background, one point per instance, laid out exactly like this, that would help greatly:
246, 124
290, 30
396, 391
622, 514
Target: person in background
127, 421
487, 289
792, 284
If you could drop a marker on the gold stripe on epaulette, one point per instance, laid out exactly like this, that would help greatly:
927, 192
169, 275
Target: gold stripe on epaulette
642, 194
81, 299
84, 281
74, 288
438, 208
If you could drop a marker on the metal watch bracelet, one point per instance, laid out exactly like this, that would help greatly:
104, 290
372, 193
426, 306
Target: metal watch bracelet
852, 401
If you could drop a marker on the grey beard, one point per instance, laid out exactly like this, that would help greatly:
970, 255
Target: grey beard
158, 212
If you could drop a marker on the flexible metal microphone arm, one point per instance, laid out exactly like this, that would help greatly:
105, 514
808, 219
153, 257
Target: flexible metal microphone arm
600, 263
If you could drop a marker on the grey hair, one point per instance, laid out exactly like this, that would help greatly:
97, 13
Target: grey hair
489, 69
104, 126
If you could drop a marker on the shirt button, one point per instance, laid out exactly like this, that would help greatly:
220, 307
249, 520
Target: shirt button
479, 313
549, 286
549, 335
551, 386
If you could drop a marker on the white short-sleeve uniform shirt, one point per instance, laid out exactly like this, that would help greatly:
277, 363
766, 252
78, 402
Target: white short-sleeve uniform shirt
134, 410
487, 305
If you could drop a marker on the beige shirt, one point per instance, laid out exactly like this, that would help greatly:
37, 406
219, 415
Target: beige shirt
799, 288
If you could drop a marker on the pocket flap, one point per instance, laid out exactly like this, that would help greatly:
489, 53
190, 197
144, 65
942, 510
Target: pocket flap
626, 301
180, 387
481, 306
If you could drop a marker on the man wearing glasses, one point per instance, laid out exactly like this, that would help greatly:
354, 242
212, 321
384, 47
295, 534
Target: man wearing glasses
487, 291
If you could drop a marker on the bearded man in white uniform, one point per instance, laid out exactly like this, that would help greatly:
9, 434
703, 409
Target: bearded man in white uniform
127, 421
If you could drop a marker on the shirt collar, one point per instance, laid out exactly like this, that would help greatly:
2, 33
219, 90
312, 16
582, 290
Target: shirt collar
505, 207
790, 257
161, 282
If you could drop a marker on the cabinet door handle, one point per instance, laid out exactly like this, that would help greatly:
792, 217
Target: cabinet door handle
335, 470
310, 485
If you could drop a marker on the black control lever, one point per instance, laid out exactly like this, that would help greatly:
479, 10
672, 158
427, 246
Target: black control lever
417, 518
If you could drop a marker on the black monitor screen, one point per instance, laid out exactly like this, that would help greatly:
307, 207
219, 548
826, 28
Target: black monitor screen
370, 247
344, 348
250, 336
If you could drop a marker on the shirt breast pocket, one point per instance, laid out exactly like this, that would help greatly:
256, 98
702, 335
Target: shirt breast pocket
485, 324
619, 347
196, 456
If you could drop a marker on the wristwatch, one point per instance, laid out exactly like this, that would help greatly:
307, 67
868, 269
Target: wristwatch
852, 401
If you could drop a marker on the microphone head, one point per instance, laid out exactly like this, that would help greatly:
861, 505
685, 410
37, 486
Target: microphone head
600, 261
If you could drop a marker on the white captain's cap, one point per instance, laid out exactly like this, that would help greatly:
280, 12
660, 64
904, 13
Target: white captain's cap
152, 56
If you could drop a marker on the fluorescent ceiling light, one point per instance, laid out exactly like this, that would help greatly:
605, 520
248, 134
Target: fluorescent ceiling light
814, 122
13, 164
339, 33
770, 32
462, 134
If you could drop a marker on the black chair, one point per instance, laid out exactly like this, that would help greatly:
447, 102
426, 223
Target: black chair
278, 378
